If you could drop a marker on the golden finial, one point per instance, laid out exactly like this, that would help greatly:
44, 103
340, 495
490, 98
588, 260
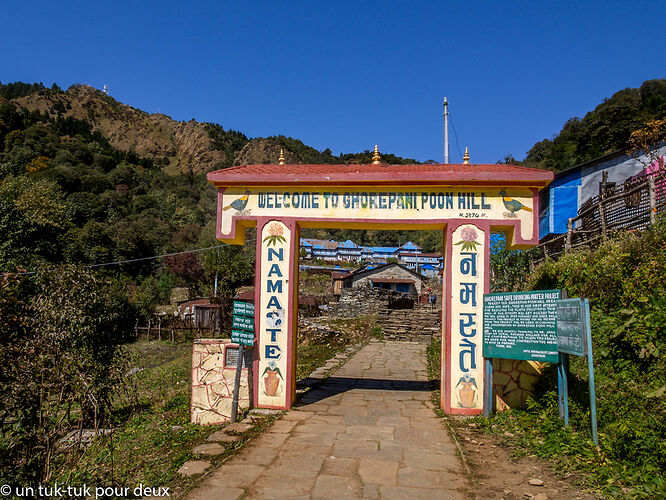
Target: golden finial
376, 159
466, 156
281, 159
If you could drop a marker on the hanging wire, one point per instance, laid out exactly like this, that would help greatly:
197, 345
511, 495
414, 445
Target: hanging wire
140, 259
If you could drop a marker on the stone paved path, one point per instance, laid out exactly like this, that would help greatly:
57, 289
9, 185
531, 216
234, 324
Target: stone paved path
368, 431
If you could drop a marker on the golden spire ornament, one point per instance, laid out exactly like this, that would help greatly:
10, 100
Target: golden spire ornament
281, 159
376, 159
466, 156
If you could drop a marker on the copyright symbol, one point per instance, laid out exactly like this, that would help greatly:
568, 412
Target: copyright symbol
5, 489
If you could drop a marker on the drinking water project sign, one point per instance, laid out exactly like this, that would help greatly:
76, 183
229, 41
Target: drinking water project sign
521, 325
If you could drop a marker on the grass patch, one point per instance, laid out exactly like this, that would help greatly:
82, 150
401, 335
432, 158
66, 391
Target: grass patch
312, 356
377, 332
153, 435
539, 433
315, 284
434, 359
318, 345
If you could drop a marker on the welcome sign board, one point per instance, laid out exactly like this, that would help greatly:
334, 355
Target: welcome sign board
376, 204
465, 202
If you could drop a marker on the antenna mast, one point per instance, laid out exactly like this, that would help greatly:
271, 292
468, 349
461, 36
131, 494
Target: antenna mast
446, 131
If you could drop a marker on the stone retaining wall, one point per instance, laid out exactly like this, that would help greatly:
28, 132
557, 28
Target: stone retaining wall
360, 301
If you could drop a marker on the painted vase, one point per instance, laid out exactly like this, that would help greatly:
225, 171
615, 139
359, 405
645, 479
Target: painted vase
467, 393
271, 382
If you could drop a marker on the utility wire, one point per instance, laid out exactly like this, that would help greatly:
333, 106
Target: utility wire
141, 259
455, 134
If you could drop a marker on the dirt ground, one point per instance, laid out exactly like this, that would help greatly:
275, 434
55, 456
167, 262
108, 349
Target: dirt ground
496, 474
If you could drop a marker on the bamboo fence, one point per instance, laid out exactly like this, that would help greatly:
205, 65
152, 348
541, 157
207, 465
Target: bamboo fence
631, 206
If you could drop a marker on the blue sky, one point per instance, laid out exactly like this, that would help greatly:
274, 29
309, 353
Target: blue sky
347, 75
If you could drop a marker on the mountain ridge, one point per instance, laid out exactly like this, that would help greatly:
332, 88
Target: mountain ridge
176, 146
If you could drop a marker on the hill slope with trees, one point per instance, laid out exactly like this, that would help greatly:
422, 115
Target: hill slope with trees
174, 145
604, 130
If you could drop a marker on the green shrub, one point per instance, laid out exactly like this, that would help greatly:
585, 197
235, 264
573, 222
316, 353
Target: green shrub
60, 363
624, 280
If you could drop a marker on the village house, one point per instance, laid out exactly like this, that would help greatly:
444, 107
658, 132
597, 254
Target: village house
572, 187
392, 276
409, 254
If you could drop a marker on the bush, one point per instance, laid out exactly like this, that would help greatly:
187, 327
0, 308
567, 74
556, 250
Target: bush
624, 280
60, 362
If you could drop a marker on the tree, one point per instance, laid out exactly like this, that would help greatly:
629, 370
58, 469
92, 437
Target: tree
33, 216
642, 142
37, 164
60, 362
232, 264
508, 268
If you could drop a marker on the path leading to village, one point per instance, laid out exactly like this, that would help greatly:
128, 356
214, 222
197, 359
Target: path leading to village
369, 431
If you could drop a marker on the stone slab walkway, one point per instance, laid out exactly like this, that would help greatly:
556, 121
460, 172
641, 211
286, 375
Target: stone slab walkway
369, 431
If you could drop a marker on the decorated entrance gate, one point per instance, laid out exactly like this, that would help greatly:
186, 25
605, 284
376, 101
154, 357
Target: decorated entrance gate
465, 201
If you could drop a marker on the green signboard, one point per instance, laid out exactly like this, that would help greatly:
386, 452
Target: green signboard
241, 337
243, 323
521, 325
243, 309
571, 326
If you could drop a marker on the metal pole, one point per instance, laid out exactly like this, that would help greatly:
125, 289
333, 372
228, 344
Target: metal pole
446, 131
234, 401
563, 387
488, 388
590, 369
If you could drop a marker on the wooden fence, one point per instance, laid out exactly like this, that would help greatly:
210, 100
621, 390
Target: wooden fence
633, 205
174, 331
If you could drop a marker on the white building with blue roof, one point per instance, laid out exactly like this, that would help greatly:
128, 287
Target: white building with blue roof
409, 254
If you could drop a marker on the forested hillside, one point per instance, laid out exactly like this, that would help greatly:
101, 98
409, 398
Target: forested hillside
604, 130
174, 146
85, 179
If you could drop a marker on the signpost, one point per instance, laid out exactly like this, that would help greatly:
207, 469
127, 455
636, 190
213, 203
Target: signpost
518, 325
538, 326
574, 336
571, 328
242, 333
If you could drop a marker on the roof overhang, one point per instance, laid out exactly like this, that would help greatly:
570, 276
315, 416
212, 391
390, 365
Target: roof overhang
441, 174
